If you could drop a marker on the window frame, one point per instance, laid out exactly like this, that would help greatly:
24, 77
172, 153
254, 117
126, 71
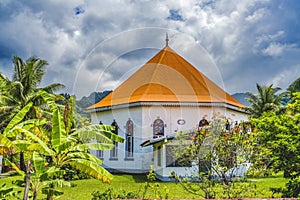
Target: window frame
114, 151
129, 144
158, 128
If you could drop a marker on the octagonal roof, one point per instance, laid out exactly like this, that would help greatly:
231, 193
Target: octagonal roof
167, 77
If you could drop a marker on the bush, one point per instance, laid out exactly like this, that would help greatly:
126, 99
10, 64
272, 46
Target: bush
73, 174
292, 189
111, 194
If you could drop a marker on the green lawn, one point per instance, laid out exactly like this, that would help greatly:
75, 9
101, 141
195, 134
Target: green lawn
84, 188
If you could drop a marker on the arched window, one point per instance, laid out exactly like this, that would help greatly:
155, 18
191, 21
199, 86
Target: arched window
114, 151
100, 152
158, 128
129, 139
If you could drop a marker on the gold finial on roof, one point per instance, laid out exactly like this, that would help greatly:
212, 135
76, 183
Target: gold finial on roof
167, 40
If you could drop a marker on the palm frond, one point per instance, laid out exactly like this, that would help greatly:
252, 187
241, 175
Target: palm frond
53, 87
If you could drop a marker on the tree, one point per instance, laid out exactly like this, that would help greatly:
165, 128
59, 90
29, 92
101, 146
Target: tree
292, 88
219, 154
279, 134
16, 94
295, 86
64, 145
23, 87
265, 100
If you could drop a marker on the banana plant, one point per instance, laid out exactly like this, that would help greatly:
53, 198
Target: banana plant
64, 145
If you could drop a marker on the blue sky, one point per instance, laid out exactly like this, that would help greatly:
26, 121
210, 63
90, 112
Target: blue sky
95, 45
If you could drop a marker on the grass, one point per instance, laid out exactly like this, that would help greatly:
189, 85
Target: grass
265, 183
126, 182
120, 182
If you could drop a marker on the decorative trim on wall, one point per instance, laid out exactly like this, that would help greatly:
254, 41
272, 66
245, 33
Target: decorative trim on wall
170, 104
180, 121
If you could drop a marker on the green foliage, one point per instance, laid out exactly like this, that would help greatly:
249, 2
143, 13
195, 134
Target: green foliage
278, 134
295, 86
72, 173
6, 192
135, 183
109, 194
201, 186
22, 89
292, 189
218, 153
153, 188
265, 100
239, 190
64, 146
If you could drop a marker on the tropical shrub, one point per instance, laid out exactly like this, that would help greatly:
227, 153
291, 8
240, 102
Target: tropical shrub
278, 133
218, 152
110, 193
63, 145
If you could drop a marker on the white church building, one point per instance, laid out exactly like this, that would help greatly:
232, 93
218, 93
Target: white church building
167, 94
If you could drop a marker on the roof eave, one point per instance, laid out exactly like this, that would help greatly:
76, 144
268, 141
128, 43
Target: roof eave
171, 104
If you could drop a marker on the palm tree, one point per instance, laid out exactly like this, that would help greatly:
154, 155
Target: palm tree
15, 94
30, 74
265, 100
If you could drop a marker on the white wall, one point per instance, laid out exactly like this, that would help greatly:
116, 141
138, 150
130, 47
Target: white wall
142, 156
191, 116
143, 118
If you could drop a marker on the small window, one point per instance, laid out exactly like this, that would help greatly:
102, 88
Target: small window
99, 153
129, 140
114, 151
203, 122
158, 128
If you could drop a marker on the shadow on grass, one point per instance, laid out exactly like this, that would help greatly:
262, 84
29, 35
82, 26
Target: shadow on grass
140, 178
137, 178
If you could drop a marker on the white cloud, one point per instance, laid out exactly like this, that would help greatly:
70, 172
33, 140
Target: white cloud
239, 37
285, 77
276, 49
257, 15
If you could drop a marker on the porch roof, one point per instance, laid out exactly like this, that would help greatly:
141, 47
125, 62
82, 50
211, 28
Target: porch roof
157, 140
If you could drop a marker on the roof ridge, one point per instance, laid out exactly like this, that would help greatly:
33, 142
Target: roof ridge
155, 70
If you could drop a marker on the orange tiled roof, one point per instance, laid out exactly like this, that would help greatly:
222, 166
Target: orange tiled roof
167, 77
